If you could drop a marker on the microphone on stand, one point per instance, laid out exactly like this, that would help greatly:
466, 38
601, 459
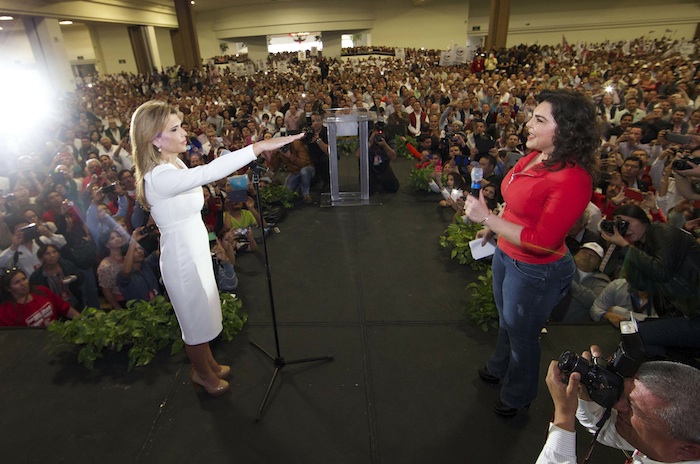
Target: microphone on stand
477, 175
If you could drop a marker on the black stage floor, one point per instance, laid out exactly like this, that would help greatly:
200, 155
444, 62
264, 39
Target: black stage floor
369, 285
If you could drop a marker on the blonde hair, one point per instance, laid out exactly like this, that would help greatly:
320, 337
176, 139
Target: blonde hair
147, 122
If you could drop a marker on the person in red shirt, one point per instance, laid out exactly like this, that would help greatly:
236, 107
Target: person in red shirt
24, 305
545, 193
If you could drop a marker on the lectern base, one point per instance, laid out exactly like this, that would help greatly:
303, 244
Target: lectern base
347, 199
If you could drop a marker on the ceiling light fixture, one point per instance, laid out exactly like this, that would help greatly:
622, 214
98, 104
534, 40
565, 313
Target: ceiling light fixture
65, 23
299, 37
6, 18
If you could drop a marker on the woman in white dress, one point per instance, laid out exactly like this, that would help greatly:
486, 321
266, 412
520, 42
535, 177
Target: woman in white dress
174, 196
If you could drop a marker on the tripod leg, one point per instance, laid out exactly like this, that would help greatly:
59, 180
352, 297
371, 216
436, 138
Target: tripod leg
263, 350
267, 393
305, 360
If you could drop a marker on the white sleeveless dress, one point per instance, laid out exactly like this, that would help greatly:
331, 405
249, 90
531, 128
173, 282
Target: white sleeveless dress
176, 200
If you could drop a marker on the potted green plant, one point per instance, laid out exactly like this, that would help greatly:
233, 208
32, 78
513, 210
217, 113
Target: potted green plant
143, 328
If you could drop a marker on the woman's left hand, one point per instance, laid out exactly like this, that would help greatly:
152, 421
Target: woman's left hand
476, 209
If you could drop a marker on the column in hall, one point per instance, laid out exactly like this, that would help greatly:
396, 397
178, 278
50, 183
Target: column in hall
46, 40
498, 24
187, 33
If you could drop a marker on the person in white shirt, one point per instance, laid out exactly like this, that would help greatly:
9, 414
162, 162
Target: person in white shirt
656, 417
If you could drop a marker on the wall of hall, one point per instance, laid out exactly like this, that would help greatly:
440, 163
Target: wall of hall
545, 21
165, 47
434, 25
78, 42
440, 22
116, 46
390, 22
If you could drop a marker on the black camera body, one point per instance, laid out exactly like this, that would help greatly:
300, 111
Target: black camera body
682, 163
30, 232
605, 384
309, 134
58, 177
107, 189
378, 137
150, 229
609, 226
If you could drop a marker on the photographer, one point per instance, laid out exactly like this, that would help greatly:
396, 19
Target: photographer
380, 156
656, 414
663, 260
317, 144
297, 160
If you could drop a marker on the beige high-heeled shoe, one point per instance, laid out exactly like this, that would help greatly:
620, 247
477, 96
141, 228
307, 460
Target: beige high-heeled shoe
224, 372
199, 384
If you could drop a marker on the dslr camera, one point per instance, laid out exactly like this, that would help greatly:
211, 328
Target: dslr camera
379, 136
30, 232
107, 189
605, 383
609, 226
682, 163
150, 229
309, 134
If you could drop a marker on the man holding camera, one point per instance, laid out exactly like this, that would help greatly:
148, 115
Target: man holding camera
656, 415
380, 156
296, 158
317, 143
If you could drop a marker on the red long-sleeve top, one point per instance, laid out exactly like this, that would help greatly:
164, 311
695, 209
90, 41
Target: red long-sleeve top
546, 203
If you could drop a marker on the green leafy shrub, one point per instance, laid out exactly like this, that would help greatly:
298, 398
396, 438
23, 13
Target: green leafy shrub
481, 308
401, 149
420, 178
348, 146
273, 194
457, 236
145, 328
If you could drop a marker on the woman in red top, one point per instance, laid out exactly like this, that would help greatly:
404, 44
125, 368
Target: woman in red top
545, 192
24, 305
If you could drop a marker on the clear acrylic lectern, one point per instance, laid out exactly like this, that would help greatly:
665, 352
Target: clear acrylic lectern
347, 122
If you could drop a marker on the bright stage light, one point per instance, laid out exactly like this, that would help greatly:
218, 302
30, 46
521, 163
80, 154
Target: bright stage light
27, 104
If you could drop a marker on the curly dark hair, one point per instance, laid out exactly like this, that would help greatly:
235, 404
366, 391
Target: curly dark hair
577, 136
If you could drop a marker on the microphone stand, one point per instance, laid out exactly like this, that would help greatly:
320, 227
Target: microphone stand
278, 361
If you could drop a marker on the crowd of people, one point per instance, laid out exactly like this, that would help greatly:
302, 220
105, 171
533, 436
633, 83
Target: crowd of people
72, 220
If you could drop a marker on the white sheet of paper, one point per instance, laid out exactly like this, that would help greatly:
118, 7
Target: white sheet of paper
479, 251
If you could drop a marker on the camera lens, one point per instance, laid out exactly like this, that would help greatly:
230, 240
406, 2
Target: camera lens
571, 362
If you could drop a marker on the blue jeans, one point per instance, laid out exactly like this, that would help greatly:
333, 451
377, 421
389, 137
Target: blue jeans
303, 178
525, 295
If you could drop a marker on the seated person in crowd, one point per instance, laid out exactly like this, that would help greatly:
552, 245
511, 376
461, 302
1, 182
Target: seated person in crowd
58, 274
619, 301
587, 284
22, 304
242, 221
